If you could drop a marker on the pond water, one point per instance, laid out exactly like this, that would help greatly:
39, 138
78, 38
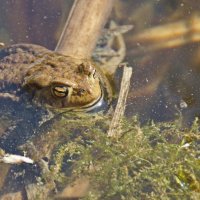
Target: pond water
163, 49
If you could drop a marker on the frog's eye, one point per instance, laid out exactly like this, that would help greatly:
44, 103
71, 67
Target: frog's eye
60, 91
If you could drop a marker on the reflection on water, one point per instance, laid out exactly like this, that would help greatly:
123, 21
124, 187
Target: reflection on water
162, 48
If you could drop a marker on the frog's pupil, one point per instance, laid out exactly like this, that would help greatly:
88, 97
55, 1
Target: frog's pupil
60, 91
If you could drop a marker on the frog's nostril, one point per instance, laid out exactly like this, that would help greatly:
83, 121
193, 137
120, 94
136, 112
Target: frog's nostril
80, 92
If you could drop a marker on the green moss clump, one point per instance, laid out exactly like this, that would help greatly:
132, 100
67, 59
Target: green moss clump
155, 161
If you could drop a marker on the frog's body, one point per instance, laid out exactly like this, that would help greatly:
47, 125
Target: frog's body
53, 79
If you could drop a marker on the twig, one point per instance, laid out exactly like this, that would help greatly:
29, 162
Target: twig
83, 27
13, 159
114, 128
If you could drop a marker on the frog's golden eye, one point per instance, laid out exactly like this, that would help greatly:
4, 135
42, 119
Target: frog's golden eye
60, 91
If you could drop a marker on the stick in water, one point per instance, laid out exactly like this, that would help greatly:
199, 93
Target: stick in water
83, 27
120, 108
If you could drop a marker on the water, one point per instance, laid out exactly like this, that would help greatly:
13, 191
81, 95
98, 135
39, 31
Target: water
162, 48
32, 21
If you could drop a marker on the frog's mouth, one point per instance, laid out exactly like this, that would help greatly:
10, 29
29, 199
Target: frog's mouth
92, 106
104, 101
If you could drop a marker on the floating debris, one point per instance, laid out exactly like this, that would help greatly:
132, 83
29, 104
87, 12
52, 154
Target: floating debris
13, 159
2, 45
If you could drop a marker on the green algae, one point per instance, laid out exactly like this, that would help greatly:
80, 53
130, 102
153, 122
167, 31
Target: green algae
154, 161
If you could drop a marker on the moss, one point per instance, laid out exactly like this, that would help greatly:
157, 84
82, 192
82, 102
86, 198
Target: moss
155, 161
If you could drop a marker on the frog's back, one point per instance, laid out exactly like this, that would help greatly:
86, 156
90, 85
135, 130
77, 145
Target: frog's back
16, 59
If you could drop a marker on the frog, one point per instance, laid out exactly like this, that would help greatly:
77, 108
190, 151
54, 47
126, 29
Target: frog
51, 79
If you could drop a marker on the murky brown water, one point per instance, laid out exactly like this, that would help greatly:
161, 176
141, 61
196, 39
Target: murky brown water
162, 48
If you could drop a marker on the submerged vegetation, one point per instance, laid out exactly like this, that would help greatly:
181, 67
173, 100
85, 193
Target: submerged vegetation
155, 161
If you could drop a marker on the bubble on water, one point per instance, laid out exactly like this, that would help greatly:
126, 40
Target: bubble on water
183, 104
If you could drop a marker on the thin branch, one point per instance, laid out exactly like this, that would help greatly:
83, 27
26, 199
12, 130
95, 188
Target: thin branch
114, 128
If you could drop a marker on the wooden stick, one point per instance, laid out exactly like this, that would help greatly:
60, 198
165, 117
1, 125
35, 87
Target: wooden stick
114, 128
83, 27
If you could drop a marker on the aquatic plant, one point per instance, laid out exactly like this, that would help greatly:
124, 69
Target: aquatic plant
154, 161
